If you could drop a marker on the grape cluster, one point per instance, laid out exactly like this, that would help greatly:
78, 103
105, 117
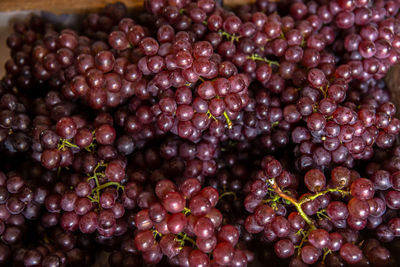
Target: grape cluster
15, 123
19, 202
184, 218
192, 134
321, 220
340, 134
67, 249
95, 204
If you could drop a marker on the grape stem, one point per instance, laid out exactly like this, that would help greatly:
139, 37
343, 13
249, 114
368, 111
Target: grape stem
211, 116
156, 233
108, 184
186, 211
321, 193
273, 200
303, 240
293, 201
46, 239
184, 237
227, 194
95, 194
322, 214
91, 148
326, 253
228, 120
65, 143
96, 174
230, 37
297, 204
256, 57
96, 191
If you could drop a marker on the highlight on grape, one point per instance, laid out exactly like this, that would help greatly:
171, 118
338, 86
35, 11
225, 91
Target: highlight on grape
194, 134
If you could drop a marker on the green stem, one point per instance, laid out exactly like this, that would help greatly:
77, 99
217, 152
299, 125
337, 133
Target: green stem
227, 194
108, 184
293, 201
94, 177
321, 193
322, 214
186, 211
185, 237
303, 42
256, 57
274, 124
91, 148
65, 143
93, 199
99, 165
156, 233
323, 92
326, 253
303, 240
95, 195
211, 116
230, 37
97, 174
228, 120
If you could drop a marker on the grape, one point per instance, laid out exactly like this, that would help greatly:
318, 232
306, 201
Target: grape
350, 253
336, 241
384, 233
223, 253
198, 258
284, 248
314, 180
207, 245
319, 238
394, 226
392, 199
179, 124
309, 254
379, 255
264, 214
229, 233
280, 226
169, 246
144, 241
358, 208
381, 180
337, 210
362, 189
204, 228
173, 202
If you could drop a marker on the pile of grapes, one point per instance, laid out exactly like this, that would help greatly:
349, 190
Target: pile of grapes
190, 134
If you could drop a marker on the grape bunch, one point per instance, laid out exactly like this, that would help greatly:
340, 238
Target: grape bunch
321, 219
185, 218
196, 134
340, 133
96, 203
20, 201
15, 122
